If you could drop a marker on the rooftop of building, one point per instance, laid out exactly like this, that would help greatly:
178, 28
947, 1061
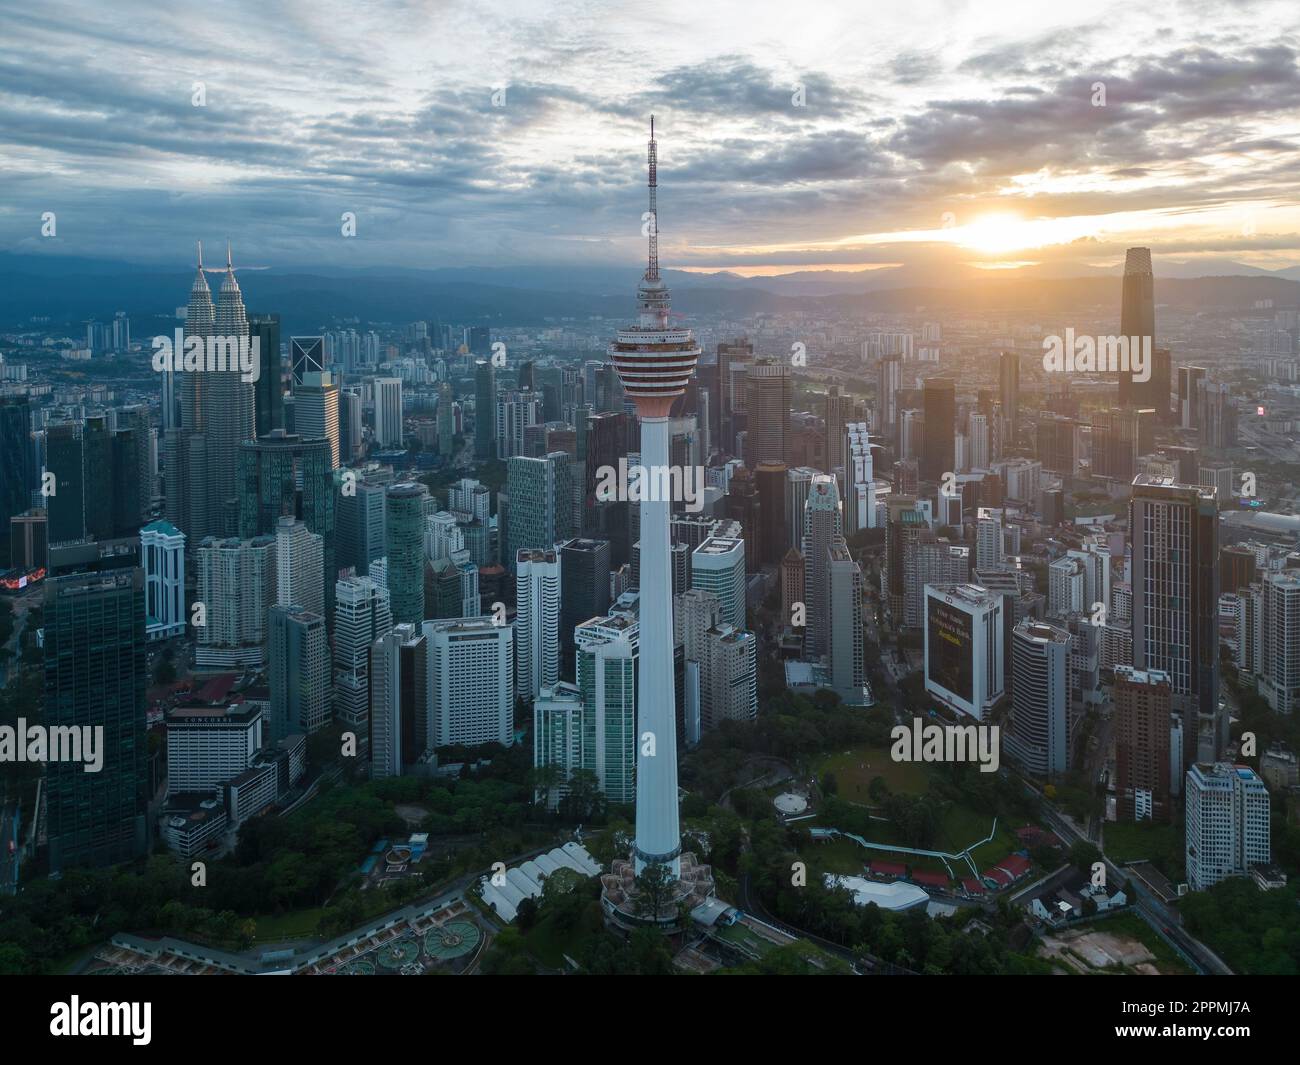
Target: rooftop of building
719, 545
198, 711
1041, 631
1133, 675
974, 595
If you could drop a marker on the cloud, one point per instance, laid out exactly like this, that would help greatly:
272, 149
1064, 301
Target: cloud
387, 110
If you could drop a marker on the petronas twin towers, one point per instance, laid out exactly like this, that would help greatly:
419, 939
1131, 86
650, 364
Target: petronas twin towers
216, 416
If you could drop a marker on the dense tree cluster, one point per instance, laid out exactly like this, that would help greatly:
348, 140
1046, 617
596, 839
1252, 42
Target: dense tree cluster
911, 940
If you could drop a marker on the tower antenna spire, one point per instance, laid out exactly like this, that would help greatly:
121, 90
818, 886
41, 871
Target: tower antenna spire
200, 255
652, 270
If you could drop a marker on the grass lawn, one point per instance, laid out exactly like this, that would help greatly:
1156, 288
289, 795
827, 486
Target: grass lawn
854, 771
1161, 844
298, 924
961, 826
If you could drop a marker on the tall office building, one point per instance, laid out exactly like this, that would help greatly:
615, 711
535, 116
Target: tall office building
718, 566
388, 412
964, 650
518, 415
655, 360
485, 409
185, 440
162, 554
268, 389
1174, 572
734, 357
65, 508
1065, 587
1009, 395
1143, 767
351, 438
837, 413
798, 482
299, 559
446, 421
471, 681
1190, 381
95, 677
769, 539
236, 585
988, 538
1227, 823
316, 411
283, 474
401, 718
845, 659
537, 621
1037, 736
728, 676
767, 401
361, 616
823, 524
299, 671
1279, 630
938, 436
361, 524
541, 511
221, 403
859, 487
210, 745
584, 591
558, 739
1138, 323
889, 379
606, 668
404, 548
16, 467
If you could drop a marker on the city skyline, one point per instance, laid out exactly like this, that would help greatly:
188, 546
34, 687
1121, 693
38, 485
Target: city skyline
919, 594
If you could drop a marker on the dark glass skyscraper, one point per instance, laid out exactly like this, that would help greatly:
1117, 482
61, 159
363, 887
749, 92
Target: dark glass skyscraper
485, 409
268, 395
584, 591
938, 446
404, 545
1174, 530
15, 462
1009, 395
95, 677
281, 473
67, 518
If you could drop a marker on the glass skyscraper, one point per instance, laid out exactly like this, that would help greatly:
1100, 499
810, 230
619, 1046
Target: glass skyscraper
95, 677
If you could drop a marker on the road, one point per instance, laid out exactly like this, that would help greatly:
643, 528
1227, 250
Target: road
1165, 920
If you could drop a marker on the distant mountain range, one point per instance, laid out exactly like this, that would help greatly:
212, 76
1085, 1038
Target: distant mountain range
71, 290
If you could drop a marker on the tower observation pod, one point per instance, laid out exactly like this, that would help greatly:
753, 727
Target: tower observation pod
655, 361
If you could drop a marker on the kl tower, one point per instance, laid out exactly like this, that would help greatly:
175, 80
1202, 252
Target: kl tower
655, 360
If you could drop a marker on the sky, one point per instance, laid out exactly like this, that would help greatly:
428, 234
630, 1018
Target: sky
792, 135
